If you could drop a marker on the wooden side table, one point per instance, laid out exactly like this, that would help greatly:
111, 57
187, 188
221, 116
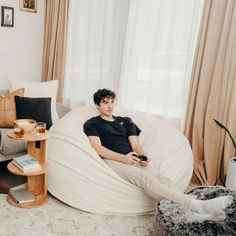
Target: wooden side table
36, 180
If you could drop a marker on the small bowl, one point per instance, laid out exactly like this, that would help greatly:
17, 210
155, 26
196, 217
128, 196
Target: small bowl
27, 125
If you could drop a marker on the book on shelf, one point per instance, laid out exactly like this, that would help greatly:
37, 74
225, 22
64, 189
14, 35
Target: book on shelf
21, 195
21, 186
27, 163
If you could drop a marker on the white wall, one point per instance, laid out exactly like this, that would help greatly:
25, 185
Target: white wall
21, 47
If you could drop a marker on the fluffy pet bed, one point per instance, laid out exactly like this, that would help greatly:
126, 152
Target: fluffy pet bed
178, 220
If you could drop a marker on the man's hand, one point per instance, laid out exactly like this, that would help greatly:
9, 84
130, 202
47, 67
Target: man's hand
144, 163
130, 158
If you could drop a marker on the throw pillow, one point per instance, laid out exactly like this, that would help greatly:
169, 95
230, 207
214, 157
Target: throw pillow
8, 108
4, 91
38, 89
38, 109
10, 148
62, 110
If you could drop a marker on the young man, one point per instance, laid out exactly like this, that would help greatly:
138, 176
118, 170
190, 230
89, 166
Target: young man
115, 139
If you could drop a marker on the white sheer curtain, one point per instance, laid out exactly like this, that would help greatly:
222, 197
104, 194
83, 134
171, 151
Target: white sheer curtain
160, 41
141, 49
96, 34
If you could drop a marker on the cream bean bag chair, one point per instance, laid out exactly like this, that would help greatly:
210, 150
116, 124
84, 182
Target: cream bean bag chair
80, 178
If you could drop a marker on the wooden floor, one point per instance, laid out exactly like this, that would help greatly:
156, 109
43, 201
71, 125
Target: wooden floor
8, 180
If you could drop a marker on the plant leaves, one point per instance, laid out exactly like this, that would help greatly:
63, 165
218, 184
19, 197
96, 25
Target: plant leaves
220, 124
223, 127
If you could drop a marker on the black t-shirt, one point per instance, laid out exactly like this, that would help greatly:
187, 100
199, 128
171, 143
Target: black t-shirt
113, 134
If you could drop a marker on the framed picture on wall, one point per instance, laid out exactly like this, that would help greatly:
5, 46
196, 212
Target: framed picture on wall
7, 16
28, 5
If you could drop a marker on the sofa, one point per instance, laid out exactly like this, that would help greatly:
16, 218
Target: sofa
10, 148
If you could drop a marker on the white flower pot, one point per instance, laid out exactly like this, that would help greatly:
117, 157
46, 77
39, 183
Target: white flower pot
231, 175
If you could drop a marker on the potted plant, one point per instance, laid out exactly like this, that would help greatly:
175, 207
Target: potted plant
227, 131
231, 173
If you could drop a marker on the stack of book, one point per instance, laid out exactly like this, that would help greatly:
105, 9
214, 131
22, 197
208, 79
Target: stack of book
26, 163
21, 195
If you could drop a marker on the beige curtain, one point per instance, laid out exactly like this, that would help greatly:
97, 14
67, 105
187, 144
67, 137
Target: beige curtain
213, 93
55, 42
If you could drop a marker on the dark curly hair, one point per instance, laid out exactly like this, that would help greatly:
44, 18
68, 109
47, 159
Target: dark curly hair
101, 94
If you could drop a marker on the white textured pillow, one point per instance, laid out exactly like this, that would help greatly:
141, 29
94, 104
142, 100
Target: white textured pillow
38, 89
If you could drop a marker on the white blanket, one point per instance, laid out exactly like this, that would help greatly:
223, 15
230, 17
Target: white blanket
80, 178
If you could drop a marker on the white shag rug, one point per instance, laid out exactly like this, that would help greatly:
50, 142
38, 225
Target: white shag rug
57, 218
